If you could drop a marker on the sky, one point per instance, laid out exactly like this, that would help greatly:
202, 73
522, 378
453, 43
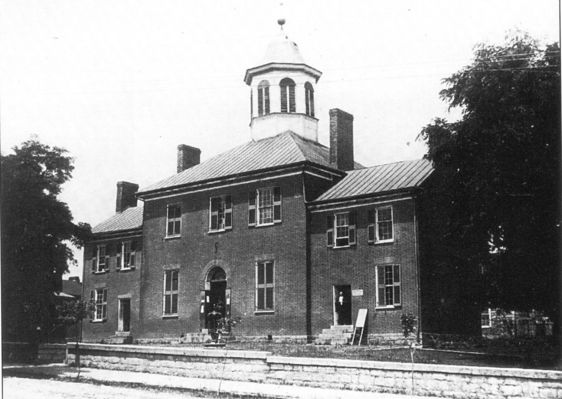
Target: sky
120, 83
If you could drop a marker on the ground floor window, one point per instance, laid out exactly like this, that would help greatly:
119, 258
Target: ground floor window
264, 286
99, 298
171, 285
388, 286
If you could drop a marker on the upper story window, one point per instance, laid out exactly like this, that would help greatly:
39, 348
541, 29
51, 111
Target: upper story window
99, 298
263, 98
173, 221
264, 206
287, 95
220, 213
340, 231
381, 225
100, 259
126, 255
309, 98
388, 286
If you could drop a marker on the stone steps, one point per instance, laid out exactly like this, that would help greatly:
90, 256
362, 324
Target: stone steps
335, 335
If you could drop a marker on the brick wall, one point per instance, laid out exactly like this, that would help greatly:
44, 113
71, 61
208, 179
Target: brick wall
355, 266
236, 251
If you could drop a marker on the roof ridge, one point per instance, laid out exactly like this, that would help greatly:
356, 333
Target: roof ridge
391, 163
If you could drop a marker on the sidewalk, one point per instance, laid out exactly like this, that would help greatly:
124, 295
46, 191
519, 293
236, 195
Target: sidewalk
211, 386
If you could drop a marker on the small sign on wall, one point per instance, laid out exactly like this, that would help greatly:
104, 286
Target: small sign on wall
357, 292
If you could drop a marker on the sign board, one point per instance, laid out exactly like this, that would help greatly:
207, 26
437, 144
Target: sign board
357, 292
361, 318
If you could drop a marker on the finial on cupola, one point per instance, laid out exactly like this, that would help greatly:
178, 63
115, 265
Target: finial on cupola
281, 20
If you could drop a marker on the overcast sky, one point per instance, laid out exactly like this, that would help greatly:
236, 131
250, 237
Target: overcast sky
120, 84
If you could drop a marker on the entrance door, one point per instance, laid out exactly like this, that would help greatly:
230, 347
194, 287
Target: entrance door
215, 297
124, 322
342, 305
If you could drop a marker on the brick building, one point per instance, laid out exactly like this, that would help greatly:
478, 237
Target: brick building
288, 234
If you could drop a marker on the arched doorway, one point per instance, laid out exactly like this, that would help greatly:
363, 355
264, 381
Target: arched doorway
217, 297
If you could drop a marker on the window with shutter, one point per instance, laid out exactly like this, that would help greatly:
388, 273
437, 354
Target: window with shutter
263, 98
385, 228
99, 298
173, 220
220, 213
265, 286
388, 286
171, 292
287, 87
309, 99
264, 206
101, 259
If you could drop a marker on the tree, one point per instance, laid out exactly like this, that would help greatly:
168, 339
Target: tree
494, 202
37, 229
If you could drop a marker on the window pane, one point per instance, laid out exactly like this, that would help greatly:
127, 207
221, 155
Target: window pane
167, 303
269, 298
174, 303
170, 228
175, 280
388, 295
385, 214
261, 278
269, 273
260, 298
388, 275
396, 274
382, 302
380, 274
167, 281
397, 295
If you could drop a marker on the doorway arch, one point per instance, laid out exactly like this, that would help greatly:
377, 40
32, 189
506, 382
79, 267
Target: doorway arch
216, 297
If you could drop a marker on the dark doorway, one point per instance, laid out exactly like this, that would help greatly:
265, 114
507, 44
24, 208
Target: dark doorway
342, 305
215, 297
124, 322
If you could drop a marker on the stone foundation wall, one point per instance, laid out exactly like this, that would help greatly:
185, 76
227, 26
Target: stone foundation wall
450, 381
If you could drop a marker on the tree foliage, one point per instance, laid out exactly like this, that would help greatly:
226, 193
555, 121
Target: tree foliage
494, 202
36, 231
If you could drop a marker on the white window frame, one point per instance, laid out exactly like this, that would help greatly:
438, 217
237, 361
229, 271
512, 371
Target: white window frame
170, 293
99, 297
173, 220
101, 249
265, 286
256, 207
221, 221
334, 233
122, 263
377, 222
384, 286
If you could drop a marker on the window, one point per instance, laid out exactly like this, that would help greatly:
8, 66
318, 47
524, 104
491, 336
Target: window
173, 224
287, 95
171, 292
341, 230
220, 213
126, 255
263, 98
264, 286
99, 259
388, 286
380, 225
309, 98
99, 298
486, 318
264, 206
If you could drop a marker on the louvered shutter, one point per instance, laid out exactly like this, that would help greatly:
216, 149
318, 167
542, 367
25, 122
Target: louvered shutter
371, 227
330, 230
228, 212
266, 98
260, 101
352, 222
283, 98
277, 205
380, 286
133, 258
118, 250
95, 259
215, 202
252, 208
104, 307
292, 98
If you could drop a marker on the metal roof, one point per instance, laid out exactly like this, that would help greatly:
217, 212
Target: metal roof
379, 179
130, 218
280, 150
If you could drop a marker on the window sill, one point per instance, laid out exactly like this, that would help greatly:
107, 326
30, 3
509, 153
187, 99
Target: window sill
383, 242
344, 246
101, 272
264, 312
219, 231
98, 321
174, 237
391, 307
126, 269
170, 316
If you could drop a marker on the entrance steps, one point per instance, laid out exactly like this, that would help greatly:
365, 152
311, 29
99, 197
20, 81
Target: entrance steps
335, 335
119, 338
196, 338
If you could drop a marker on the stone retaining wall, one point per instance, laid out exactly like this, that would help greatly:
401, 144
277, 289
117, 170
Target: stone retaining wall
448, 381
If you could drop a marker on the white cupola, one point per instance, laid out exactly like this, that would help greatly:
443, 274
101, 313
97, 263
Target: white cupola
282, 92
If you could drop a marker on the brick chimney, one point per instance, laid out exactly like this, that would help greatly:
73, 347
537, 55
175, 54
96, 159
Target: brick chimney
187, 157
341, 139
125, 195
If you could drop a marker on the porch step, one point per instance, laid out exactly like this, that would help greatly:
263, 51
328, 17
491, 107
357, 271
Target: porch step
194, 338
119, 340
335, 335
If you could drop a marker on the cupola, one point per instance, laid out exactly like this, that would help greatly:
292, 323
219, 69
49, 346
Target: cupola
282, 91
